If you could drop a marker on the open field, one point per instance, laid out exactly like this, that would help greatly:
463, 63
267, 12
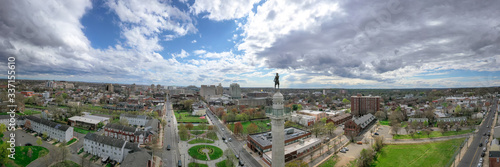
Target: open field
430, 154
432, 134
22, 157
330, 162
185, 116
261, 123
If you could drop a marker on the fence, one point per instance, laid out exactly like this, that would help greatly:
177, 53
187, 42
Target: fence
458, 151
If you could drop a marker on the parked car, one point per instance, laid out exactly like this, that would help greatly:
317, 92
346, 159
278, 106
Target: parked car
376, 133
28, 144
480, 144
484, 134
482, 154
237, 156
168, 147
484, 149
479, 164
346, 149
229, 139
481, 160
180, 163
223, 138
342, 151
359, 142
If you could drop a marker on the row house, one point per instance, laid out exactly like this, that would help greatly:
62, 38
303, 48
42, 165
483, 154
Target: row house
120, 132
137, 120
357, 125
107, 147
54, 130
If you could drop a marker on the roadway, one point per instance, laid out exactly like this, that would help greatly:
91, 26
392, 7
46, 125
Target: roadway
170, 137
473, 153
235, 145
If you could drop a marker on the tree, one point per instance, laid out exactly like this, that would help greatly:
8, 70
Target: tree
44, 135
458, 109
187, 105
189, 126
30, 152
64, 151
427, 132
59, 100
379, 143
27, 124
253, 128
323, 120
123, 121
328, 100
366, 158
345, 101
202, 126
100, 125
39, 142
230, 157
381, 115
183, 132
331, 127
297, 163
238, 128
317, 129
395, 127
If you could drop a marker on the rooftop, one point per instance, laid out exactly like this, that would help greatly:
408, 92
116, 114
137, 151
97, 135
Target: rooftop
54, 125
120, 127
83, 119
110, 141
297, 146
265, 139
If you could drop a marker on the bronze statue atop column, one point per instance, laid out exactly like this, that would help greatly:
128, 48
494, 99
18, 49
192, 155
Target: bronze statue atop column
277, 81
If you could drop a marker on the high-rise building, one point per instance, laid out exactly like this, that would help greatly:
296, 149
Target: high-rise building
207, 91
219, 90
158, 87
361, 105
109, 88
235, 91
153, 87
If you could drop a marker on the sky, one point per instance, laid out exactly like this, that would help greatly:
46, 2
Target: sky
310, 43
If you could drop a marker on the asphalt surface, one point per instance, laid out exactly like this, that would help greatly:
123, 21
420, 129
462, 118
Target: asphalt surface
170, 137
473, 154
236, 145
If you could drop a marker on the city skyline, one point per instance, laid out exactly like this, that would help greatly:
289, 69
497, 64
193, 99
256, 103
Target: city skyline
313, 44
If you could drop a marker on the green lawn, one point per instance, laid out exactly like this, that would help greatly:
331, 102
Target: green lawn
196, 152
31, 112
35, 106
432, 134
187, 117
197, 132
21, 157
200, 140
82, 131
431, 154
66, 163
330, 162
193, 164
221, 163
384, 123
262, 123
71, 141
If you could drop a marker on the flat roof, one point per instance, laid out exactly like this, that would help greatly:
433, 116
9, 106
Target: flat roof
297, 146
264, 139
83, 119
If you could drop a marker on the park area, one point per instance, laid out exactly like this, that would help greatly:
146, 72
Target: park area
200, 152
185, 117
66, 163
432, 134
24, 156
416, 155
261, 124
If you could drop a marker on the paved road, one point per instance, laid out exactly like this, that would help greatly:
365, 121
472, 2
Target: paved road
473, 154
236, 145
170, 137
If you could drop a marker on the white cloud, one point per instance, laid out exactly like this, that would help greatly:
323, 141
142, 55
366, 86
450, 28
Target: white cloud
194, 41
183, 54
199, 52
223, 9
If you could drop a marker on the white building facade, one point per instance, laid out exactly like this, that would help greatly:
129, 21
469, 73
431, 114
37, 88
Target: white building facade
108, 147
54, 130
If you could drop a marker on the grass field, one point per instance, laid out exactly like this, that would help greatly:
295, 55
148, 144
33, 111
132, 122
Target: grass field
262, 124
384, 123
31, 112
221, 163
196, 132
432, 134
66, 163
22, 157
82, 131
185, 116
193, 164
330, 162
200, 140
195, 152
431, 154
71, 141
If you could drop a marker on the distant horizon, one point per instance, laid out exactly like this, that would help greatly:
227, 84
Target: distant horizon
248, 87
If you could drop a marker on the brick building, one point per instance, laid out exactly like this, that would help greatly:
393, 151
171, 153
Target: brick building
356, 125
340, 119
494, 158
361, 105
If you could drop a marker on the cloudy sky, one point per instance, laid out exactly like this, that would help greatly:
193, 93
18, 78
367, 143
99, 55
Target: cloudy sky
310, 43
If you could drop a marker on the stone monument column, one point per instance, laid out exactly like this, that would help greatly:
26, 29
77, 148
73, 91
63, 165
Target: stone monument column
278, 131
